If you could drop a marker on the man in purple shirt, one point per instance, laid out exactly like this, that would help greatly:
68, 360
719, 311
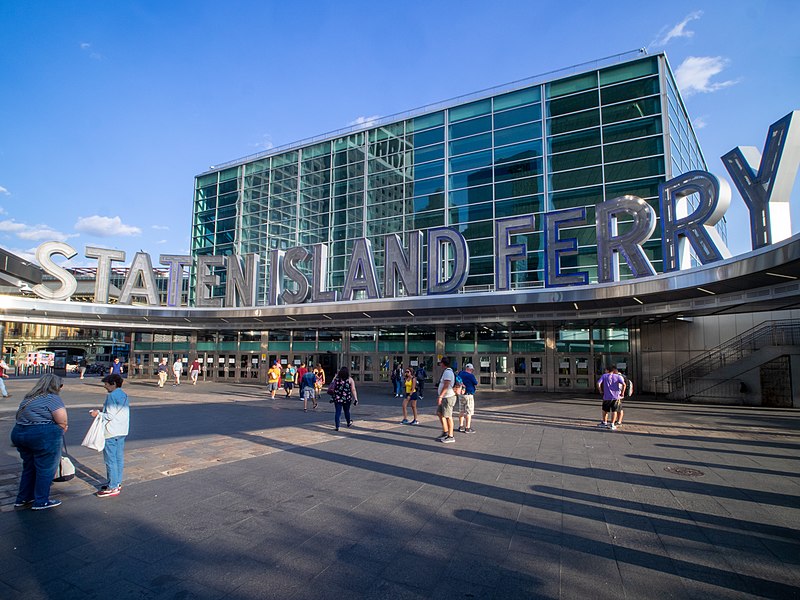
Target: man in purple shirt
612, 385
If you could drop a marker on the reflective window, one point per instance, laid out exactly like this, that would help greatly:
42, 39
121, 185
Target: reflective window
471, 127
517, 116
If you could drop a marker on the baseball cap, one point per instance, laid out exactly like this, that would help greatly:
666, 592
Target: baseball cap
468, 366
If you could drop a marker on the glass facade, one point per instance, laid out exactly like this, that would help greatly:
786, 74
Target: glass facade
567, 143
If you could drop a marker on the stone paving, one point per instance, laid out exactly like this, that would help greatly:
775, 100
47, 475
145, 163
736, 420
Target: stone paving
231, 495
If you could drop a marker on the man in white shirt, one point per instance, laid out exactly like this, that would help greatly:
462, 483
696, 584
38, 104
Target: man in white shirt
446, 402
177, 370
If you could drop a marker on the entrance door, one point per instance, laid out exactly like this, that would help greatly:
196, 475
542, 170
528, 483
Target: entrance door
494, 372
574, 371
528, 371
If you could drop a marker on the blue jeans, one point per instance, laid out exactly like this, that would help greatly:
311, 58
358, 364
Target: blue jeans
339, 407
398, 387
40, 449
113, 455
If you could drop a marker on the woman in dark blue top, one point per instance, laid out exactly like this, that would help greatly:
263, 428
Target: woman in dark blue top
38, 435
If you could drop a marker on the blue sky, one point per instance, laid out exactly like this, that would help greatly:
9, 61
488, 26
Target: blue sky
109, 109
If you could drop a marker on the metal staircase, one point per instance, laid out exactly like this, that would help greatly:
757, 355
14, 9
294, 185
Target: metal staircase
691, 378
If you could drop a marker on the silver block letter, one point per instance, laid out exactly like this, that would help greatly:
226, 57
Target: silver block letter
555, 247
238, 283
506, 252
402, 267
766, 183
275, 276
141, 266
319, 275
361, 272
176, 264
444, 277
102, 280
44, 255
697, 228
610, 244
293, 256
207, 281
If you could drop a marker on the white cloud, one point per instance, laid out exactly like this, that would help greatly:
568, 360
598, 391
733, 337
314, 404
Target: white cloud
4, 191
678, 31
105, 226
699, 122
86, 47
265, 143
695, 73
161, 242
164, 227
33, 232
11, 226
365, 120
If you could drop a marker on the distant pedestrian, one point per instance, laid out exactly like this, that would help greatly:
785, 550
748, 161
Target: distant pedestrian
466, 399
116, 367
446, 401
4, 369
301, 370
344, 393
421, 375
612, 386
319, 382
627, 394
273, 379
307, 383
82, 367
177, 370
194, 371
162, 372
410, 384
289, 375
38, 435
116, 420
397, 380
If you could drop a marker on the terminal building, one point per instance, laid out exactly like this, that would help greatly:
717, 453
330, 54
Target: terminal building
479, 229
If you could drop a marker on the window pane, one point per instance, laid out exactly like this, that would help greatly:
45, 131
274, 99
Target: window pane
635, 169
632, 129
518, 187
518, 98
574, 179
518, 134
627, 91
479, 142
518, 152
425, 138
429, 153
634, 149
517, 116
571, 104
578, 83
471, 195
474, 109
582, 120
573, 141
470, 127
648, 66
575, 160
426, 121
631, 110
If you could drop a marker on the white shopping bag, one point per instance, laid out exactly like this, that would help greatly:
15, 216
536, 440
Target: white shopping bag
95, 437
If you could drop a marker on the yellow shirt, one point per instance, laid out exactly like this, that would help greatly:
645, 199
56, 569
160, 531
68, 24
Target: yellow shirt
410, 385
274, 375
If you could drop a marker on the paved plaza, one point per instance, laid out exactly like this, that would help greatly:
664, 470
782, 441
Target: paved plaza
228, 494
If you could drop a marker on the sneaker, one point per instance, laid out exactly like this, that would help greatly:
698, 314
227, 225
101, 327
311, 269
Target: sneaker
469, 430
613, 427
462, 430
108, 492
46, 505
414, 422
442, 437
405, 422
449, 440
602, 424
349, 423
23, 504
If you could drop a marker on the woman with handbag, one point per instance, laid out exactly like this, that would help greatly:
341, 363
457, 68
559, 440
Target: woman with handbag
38, 435
343, 394
116, 420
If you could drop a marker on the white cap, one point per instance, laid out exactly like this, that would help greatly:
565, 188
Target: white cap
468, 366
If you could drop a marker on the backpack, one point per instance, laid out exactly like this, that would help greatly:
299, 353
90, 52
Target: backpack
628, 386
332, 387
421, 374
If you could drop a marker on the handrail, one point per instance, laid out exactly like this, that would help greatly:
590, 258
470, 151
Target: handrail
771, 333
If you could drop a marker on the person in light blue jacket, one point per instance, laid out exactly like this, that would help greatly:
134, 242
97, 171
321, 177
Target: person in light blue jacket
116, 421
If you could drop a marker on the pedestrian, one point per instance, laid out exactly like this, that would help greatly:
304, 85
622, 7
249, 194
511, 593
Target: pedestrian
397, 379
466, 399
307, 383
38, 435
301, 370
344, 393
116, 367
273, 379
162, 372
410, 383
612, 386
4, 369
82, 367
319, 382
289, 376
627, 394
446, 401
177, 370
194, 371
421, 375
116, 421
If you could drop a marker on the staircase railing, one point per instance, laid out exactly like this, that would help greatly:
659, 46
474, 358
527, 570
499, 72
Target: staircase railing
771, 333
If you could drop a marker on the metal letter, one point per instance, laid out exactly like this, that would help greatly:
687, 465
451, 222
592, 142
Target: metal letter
241, 283
207, 280
68, 283
275, 276
610, 244
141, 265
697, 228
555, 247
506, 252
293, 256
766, 183
176, 264
319, 275
102, 280
399, 265
361, 272
440, 265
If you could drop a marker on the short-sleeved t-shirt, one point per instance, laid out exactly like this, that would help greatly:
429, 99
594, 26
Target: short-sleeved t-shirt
274, 374
39, 410
448, 375
612, 385
116, 368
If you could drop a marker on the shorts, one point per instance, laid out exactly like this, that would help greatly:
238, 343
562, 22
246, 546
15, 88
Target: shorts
288, 385
412, 397
611, 405
445, 409
308, 392
466, 404
272, 386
